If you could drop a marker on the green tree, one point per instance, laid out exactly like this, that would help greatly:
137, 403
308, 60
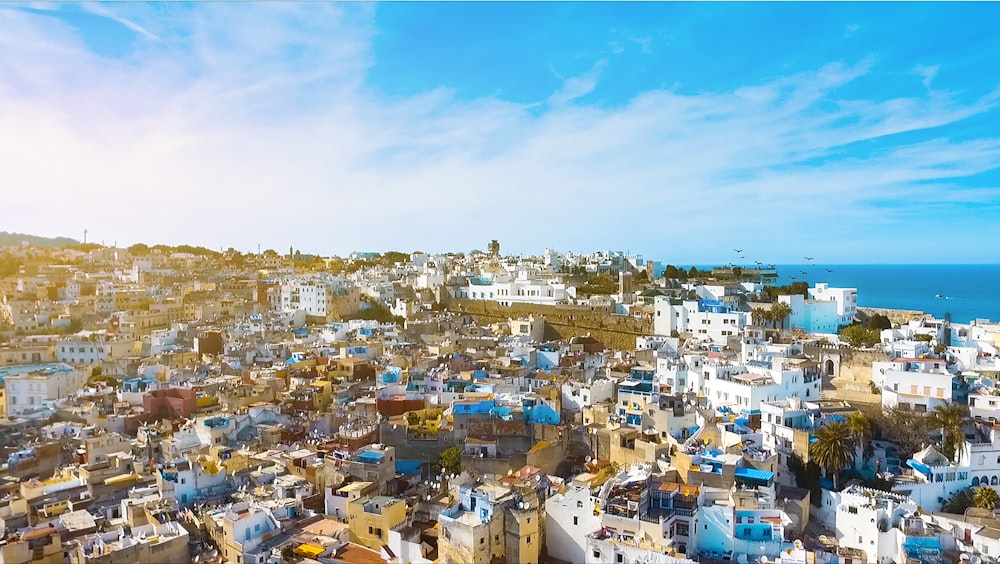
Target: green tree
138, 250
959, 502
833, 449
758, 315
985, 497
738, 273
860, 336
861, 432
807, 477
494, 248
950, 418
907, 428
780, 312
879, 321
450, 460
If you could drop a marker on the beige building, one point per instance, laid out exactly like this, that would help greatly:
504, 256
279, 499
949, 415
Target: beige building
371, 518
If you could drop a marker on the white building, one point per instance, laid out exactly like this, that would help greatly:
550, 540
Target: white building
30, 388
743, 387
95, 348
524, 287
707, 320
845, 298
578, 395
569, 518
813, 316
913, 383
864, 519
317, 296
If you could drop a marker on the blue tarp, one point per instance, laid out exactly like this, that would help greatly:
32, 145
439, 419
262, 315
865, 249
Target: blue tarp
754, 474
919, 467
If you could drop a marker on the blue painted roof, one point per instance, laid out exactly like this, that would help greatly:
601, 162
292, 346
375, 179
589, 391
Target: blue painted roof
408, 467
482, 406
754, 474
370, 457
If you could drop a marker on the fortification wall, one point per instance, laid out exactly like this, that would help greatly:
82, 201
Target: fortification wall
565, 321
897, 316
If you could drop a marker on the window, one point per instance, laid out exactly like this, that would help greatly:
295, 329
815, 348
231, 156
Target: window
482, 540
529, 539
747, 531
619, 558
576, 520
371, 530
597, 553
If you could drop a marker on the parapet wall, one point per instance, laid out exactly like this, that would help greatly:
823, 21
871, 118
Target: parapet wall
565, 321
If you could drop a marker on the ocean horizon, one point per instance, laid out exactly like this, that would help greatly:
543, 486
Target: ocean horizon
966, 291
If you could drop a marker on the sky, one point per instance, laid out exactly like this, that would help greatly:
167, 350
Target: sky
847, 132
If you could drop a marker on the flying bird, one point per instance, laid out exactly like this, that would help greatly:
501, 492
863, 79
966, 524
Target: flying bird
829, 270
803, 272
792, 277
738, 250
808, 258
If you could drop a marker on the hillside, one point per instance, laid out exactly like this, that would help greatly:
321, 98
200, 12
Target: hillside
8, 239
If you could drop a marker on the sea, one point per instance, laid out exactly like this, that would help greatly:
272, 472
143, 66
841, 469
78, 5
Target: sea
966, 291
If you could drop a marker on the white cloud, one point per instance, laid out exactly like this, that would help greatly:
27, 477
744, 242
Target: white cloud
249, 129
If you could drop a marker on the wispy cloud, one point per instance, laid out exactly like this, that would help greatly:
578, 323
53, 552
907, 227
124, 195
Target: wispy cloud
926, 74
103, 11
580, 85
247, 129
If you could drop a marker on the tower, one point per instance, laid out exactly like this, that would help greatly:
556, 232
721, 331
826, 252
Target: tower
625, 287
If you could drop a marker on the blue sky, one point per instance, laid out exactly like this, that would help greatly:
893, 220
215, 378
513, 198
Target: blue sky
850, 132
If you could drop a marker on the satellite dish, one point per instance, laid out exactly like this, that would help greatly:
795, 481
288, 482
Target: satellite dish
976, 560
763, 559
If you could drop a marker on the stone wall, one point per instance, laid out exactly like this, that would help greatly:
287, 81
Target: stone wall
565, 321
897, 316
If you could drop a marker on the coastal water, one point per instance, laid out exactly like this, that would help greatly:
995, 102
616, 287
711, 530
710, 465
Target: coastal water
967, 291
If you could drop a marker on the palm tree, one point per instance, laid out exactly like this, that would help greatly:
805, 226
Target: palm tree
780, 312
985, 498
951, 418
833, 449
861, 432
758, 315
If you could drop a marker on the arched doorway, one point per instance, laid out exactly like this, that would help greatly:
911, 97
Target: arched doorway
829, 367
